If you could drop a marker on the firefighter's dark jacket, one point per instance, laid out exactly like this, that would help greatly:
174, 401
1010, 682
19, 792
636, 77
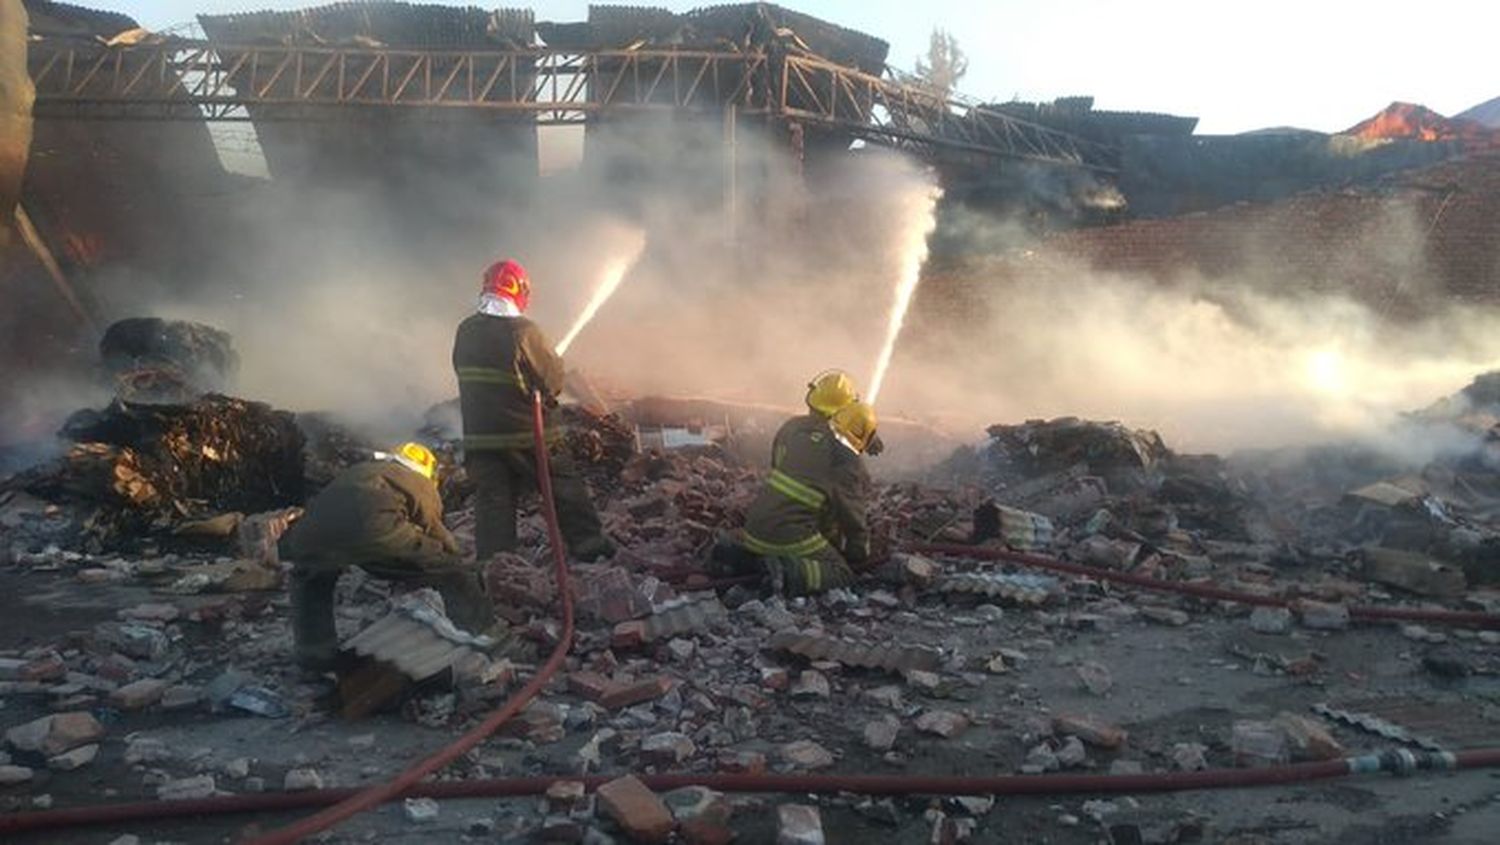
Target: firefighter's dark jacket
817, 495
499, 361
373, 510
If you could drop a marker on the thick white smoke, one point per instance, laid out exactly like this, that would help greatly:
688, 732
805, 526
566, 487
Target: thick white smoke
1214, 365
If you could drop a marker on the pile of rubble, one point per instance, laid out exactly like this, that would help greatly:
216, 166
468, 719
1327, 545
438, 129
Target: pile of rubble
148, 359
134, 468
927, 665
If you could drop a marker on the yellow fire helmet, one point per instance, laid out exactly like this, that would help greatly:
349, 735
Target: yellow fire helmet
829, 391
854, 426
417, 458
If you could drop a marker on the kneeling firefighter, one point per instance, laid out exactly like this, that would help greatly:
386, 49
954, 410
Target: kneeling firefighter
807, 529
830, 392
386, 517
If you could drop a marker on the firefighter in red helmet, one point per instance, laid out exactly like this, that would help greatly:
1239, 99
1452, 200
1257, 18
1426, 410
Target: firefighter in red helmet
500, 357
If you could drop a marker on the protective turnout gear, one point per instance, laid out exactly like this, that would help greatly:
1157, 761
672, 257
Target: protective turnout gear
385, 519
507, 280
809, 521
854, 425
499, 362
829, 391
415, 457
501, 477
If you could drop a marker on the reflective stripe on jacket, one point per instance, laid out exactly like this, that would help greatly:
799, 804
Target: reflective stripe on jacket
816, 495
499, 361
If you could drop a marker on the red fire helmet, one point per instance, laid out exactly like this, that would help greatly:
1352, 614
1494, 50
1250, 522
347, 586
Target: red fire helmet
508, 280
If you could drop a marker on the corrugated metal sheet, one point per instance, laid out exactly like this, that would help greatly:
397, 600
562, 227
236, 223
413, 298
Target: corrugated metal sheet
391, 23
863, 654
65, 19
418, 641
684, 615
1437, 723
1020, 588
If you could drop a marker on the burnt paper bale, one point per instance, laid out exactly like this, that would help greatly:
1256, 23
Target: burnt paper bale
1127, 459
144, 466
331, 448
148, 359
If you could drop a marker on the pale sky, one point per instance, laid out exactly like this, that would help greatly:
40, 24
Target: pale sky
1317, 64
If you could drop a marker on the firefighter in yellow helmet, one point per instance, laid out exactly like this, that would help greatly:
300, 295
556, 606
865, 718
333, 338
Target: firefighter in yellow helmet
830, 392
384, 516
807, 529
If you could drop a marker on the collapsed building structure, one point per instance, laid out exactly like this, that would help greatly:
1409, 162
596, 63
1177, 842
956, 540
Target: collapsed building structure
170, 509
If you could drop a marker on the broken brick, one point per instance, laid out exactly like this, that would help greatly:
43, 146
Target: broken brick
806, 754
564, 796
49, 667
138, 695
625, 695
668, 748
56, 734
636, 809
628, 635
1090, 729
742, 762
589, 685
539, 723
811, 684
1307, 740
943, 723
775, 679
609, 594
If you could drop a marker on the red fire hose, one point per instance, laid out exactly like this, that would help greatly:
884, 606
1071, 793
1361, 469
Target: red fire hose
1396, 762
1472, 619
376, 795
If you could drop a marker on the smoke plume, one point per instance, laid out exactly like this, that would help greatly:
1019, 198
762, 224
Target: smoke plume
755, 275
1252, 359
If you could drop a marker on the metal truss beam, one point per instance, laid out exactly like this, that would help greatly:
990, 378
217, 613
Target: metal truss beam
196, 80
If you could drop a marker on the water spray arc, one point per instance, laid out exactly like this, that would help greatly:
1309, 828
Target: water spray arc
921, 223
609, 281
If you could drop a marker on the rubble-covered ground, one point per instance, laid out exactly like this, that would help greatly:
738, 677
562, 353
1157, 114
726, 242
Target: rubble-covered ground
145, 652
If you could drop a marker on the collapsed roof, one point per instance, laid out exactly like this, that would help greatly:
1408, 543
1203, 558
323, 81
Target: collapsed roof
743, 26
370, 24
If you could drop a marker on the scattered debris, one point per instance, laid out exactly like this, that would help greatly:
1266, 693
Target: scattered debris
420, 810
798, 824
943, 723
1023, 588
865, 655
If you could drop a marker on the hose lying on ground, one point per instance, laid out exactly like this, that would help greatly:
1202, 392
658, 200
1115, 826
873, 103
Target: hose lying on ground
1472, 619
1399, 761
380, 793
